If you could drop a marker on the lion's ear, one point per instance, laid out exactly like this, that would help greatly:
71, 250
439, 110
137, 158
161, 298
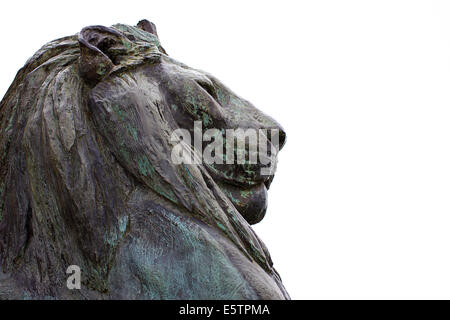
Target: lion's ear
101, 48
150, 28
147, 26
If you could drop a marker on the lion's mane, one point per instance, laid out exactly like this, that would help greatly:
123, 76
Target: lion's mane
65, 185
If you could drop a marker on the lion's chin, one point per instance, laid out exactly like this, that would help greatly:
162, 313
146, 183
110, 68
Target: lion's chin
251, 202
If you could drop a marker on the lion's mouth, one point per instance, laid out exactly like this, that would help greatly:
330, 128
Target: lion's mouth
251, 202
247, 190
242, 175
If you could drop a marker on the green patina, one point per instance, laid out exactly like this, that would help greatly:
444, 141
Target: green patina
126, 44
114, 237
120, 113
123, 150
221, 97
142, 37
246, 193
8, 127
132, 132
237, 110
101, 70
191, 178
204, 267
168, 194
123, 222
199, 110
231, 196
206, 119
125, 153
11, 118
221, 226
145, 168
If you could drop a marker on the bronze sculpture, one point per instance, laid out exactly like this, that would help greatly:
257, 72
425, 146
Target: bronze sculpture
87, 178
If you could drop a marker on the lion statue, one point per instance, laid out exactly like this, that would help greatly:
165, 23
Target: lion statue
86, 178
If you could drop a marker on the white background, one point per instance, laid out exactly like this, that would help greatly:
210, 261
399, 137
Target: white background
360, 207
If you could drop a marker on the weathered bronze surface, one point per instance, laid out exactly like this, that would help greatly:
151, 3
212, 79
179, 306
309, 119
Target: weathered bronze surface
86, 178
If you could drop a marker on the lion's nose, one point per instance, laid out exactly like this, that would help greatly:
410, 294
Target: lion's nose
278, 143
282, 137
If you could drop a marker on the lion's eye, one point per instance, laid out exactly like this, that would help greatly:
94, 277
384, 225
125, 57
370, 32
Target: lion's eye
208, 87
